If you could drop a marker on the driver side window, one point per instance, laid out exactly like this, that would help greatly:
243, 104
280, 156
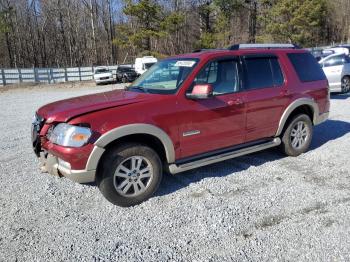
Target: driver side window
222, 75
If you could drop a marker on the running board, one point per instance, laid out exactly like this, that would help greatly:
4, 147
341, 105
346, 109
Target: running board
174, 169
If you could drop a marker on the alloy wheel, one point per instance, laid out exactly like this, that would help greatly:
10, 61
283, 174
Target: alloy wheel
345, 84
299, 135
133, 176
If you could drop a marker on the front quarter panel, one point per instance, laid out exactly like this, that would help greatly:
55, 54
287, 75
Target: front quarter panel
159, 113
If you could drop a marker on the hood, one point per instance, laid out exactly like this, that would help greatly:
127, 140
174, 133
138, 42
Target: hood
64, 110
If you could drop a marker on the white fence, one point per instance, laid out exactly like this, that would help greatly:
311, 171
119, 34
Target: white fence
48, 75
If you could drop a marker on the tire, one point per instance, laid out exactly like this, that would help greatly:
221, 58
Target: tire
345, 84
297, 137
120, 177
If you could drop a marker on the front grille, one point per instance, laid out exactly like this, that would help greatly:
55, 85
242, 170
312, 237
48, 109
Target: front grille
37, 125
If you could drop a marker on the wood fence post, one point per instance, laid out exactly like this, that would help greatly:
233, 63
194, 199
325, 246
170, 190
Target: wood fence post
20, 75
3, 77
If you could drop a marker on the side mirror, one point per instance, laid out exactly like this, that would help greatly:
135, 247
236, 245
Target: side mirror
201, 92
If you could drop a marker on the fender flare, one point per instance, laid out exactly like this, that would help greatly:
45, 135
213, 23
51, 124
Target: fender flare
126, 130
295, 104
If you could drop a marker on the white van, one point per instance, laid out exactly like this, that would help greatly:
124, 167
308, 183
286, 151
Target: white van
142, 64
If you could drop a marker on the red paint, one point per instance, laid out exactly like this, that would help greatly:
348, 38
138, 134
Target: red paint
223, 120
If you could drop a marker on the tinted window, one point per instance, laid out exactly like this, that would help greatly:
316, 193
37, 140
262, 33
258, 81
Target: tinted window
334, 61
125, 69
103, 70
223, 75
346, 59
278, 78
306, 67
262, 72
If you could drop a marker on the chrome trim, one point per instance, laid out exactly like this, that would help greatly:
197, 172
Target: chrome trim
191, 133
133, 129
174, 169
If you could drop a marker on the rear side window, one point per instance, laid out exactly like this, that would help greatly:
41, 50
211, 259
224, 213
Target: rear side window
334, 61
306, 67
262, 72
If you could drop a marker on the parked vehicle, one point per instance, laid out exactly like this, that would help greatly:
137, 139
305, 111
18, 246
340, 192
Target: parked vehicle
126, 74
319, 54
337, 69
185, 112
142, 64
103, 75
340, 49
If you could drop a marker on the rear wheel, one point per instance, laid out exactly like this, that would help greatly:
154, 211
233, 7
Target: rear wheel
297, 136
130, 174
345, 84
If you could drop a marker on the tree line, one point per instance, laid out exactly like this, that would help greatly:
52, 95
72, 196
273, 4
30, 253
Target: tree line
67, 33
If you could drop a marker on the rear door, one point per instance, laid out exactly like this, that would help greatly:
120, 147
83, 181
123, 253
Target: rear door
333, 68
265, 95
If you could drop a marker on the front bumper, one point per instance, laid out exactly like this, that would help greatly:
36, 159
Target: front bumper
54, 166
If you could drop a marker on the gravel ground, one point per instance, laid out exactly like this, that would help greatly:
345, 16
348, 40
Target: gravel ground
261, 207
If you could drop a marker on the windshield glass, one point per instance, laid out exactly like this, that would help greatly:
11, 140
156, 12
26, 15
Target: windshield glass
147, 65
165, 77
103, 70
125, 69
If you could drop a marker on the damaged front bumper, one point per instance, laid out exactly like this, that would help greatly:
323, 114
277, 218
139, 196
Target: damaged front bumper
55, 166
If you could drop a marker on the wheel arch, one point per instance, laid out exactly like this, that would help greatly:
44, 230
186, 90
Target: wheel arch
147, 134
301, 105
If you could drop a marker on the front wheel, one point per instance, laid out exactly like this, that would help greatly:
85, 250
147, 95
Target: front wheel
297, 136
130, 174
345, 84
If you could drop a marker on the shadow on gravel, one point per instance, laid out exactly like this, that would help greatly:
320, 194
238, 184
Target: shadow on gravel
340, 96
327, 131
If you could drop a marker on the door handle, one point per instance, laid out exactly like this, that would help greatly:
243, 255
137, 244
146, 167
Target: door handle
236, 102
284, 93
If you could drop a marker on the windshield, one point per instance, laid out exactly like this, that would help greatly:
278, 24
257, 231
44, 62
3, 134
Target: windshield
125, 69
103, 70
165, 77
147, 65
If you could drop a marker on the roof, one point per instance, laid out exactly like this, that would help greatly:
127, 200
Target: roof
204, 53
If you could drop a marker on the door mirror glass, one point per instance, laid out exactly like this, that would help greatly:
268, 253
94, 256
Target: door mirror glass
201, 92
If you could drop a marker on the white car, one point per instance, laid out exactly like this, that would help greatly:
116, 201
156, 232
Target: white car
103, 75
337, 69
142, 64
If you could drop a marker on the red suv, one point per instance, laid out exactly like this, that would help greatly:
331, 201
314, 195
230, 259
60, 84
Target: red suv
185, 112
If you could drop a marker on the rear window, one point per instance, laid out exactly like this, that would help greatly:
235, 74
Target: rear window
262, 72
306, 67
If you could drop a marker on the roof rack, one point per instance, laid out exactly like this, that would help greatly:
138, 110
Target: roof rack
207, 49
263, 46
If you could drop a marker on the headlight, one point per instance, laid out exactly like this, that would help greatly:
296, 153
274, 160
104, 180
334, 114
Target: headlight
68, 135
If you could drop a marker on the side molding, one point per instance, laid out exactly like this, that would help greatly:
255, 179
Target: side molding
299, 102
133, 129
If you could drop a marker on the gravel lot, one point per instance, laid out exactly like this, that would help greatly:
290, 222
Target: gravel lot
261, 207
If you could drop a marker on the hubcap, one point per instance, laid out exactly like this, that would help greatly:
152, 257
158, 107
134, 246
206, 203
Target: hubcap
346, 84
133, 176
299, 135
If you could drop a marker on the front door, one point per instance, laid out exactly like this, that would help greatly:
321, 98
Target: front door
216, 122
